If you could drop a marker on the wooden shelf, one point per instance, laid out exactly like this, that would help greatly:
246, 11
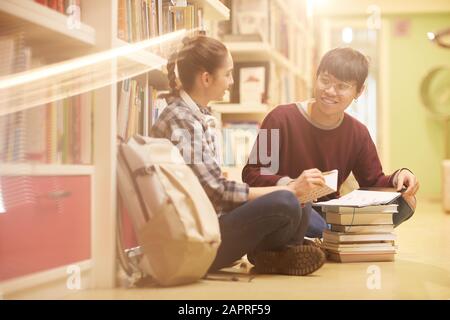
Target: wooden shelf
289, 12
239, 108
142, 56
14, 169
157, 76
213, 9
44, 26
253, 51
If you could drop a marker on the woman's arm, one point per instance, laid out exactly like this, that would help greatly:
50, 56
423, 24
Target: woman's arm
257, 192
307, 182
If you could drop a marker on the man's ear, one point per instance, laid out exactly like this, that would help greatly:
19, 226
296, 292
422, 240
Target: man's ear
360, 91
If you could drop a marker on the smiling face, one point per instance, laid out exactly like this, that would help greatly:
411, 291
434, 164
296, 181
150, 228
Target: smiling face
339, 80
332, 95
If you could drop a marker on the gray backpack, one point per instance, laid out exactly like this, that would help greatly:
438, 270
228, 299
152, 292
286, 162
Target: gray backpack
174, 221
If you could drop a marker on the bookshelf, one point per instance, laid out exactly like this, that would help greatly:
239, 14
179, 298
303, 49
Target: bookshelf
142, 57
214, 10
46, 27
261, 51
91, 187
288, 48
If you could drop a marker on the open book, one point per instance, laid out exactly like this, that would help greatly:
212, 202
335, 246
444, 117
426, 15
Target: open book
331, 178
362, 198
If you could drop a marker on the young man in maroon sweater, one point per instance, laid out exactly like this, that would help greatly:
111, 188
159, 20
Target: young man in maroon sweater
317, 136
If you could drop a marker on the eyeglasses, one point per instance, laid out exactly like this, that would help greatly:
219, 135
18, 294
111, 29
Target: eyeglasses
324, 82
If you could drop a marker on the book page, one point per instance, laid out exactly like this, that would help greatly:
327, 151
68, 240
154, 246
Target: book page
362, 198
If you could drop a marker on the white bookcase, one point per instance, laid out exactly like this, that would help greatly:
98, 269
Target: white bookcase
44, 28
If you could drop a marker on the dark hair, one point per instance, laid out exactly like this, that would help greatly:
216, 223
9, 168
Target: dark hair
198, 54
346, 64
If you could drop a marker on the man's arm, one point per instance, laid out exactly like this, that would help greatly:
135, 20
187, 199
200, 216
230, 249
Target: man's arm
368, 170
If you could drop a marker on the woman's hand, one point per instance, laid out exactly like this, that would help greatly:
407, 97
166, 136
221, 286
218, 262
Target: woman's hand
308, 181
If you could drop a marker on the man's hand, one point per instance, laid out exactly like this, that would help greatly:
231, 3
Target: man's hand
309, 180
406, 178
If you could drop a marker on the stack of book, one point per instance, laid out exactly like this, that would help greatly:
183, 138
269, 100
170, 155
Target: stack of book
144, 19
360, 233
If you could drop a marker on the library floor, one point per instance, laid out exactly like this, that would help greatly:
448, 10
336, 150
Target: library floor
421, 271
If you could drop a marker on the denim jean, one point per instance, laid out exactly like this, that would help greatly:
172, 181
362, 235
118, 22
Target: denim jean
266, 223
317, 222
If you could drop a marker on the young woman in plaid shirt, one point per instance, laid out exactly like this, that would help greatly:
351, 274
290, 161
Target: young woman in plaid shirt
266, 223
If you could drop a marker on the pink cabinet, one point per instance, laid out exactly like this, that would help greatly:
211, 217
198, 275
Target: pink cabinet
128, 235
47, 223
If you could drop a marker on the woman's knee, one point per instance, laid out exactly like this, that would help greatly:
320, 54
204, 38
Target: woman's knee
404, 212
402, 215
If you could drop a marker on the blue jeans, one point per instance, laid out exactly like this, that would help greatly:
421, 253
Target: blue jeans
266, 223
317, 222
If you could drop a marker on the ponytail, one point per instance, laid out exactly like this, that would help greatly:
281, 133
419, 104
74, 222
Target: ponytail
173, 84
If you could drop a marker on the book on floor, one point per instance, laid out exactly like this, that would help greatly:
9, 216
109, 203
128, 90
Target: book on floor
382, 228
361, 257
350, 219
340, 237
368, 247
362, 198
369, 209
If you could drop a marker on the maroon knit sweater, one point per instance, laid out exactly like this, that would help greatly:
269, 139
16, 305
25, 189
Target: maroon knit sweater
348, 148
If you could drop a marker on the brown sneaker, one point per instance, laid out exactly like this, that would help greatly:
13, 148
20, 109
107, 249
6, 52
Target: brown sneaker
296, 260
316, 242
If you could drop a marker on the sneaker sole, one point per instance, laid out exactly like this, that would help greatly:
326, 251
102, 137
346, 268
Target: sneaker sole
294, 260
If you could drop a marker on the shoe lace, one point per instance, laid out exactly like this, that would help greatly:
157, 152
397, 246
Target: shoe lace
318, 242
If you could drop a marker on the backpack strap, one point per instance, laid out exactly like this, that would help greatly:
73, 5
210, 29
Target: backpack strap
124, 259
130, 266
133, 175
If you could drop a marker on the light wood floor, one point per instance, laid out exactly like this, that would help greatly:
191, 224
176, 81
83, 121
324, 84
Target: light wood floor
421, 271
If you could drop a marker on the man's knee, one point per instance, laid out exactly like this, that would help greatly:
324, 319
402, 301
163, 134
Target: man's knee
404, 212
317, 225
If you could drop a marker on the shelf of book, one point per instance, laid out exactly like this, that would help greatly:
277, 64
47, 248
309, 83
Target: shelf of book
142, 56
213, 9
254, 50
27, 169
287, 10
44, 24
48, 30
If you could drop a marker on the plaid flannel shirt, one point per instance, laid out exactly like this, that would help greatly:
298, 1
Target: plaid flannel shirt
190, 129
